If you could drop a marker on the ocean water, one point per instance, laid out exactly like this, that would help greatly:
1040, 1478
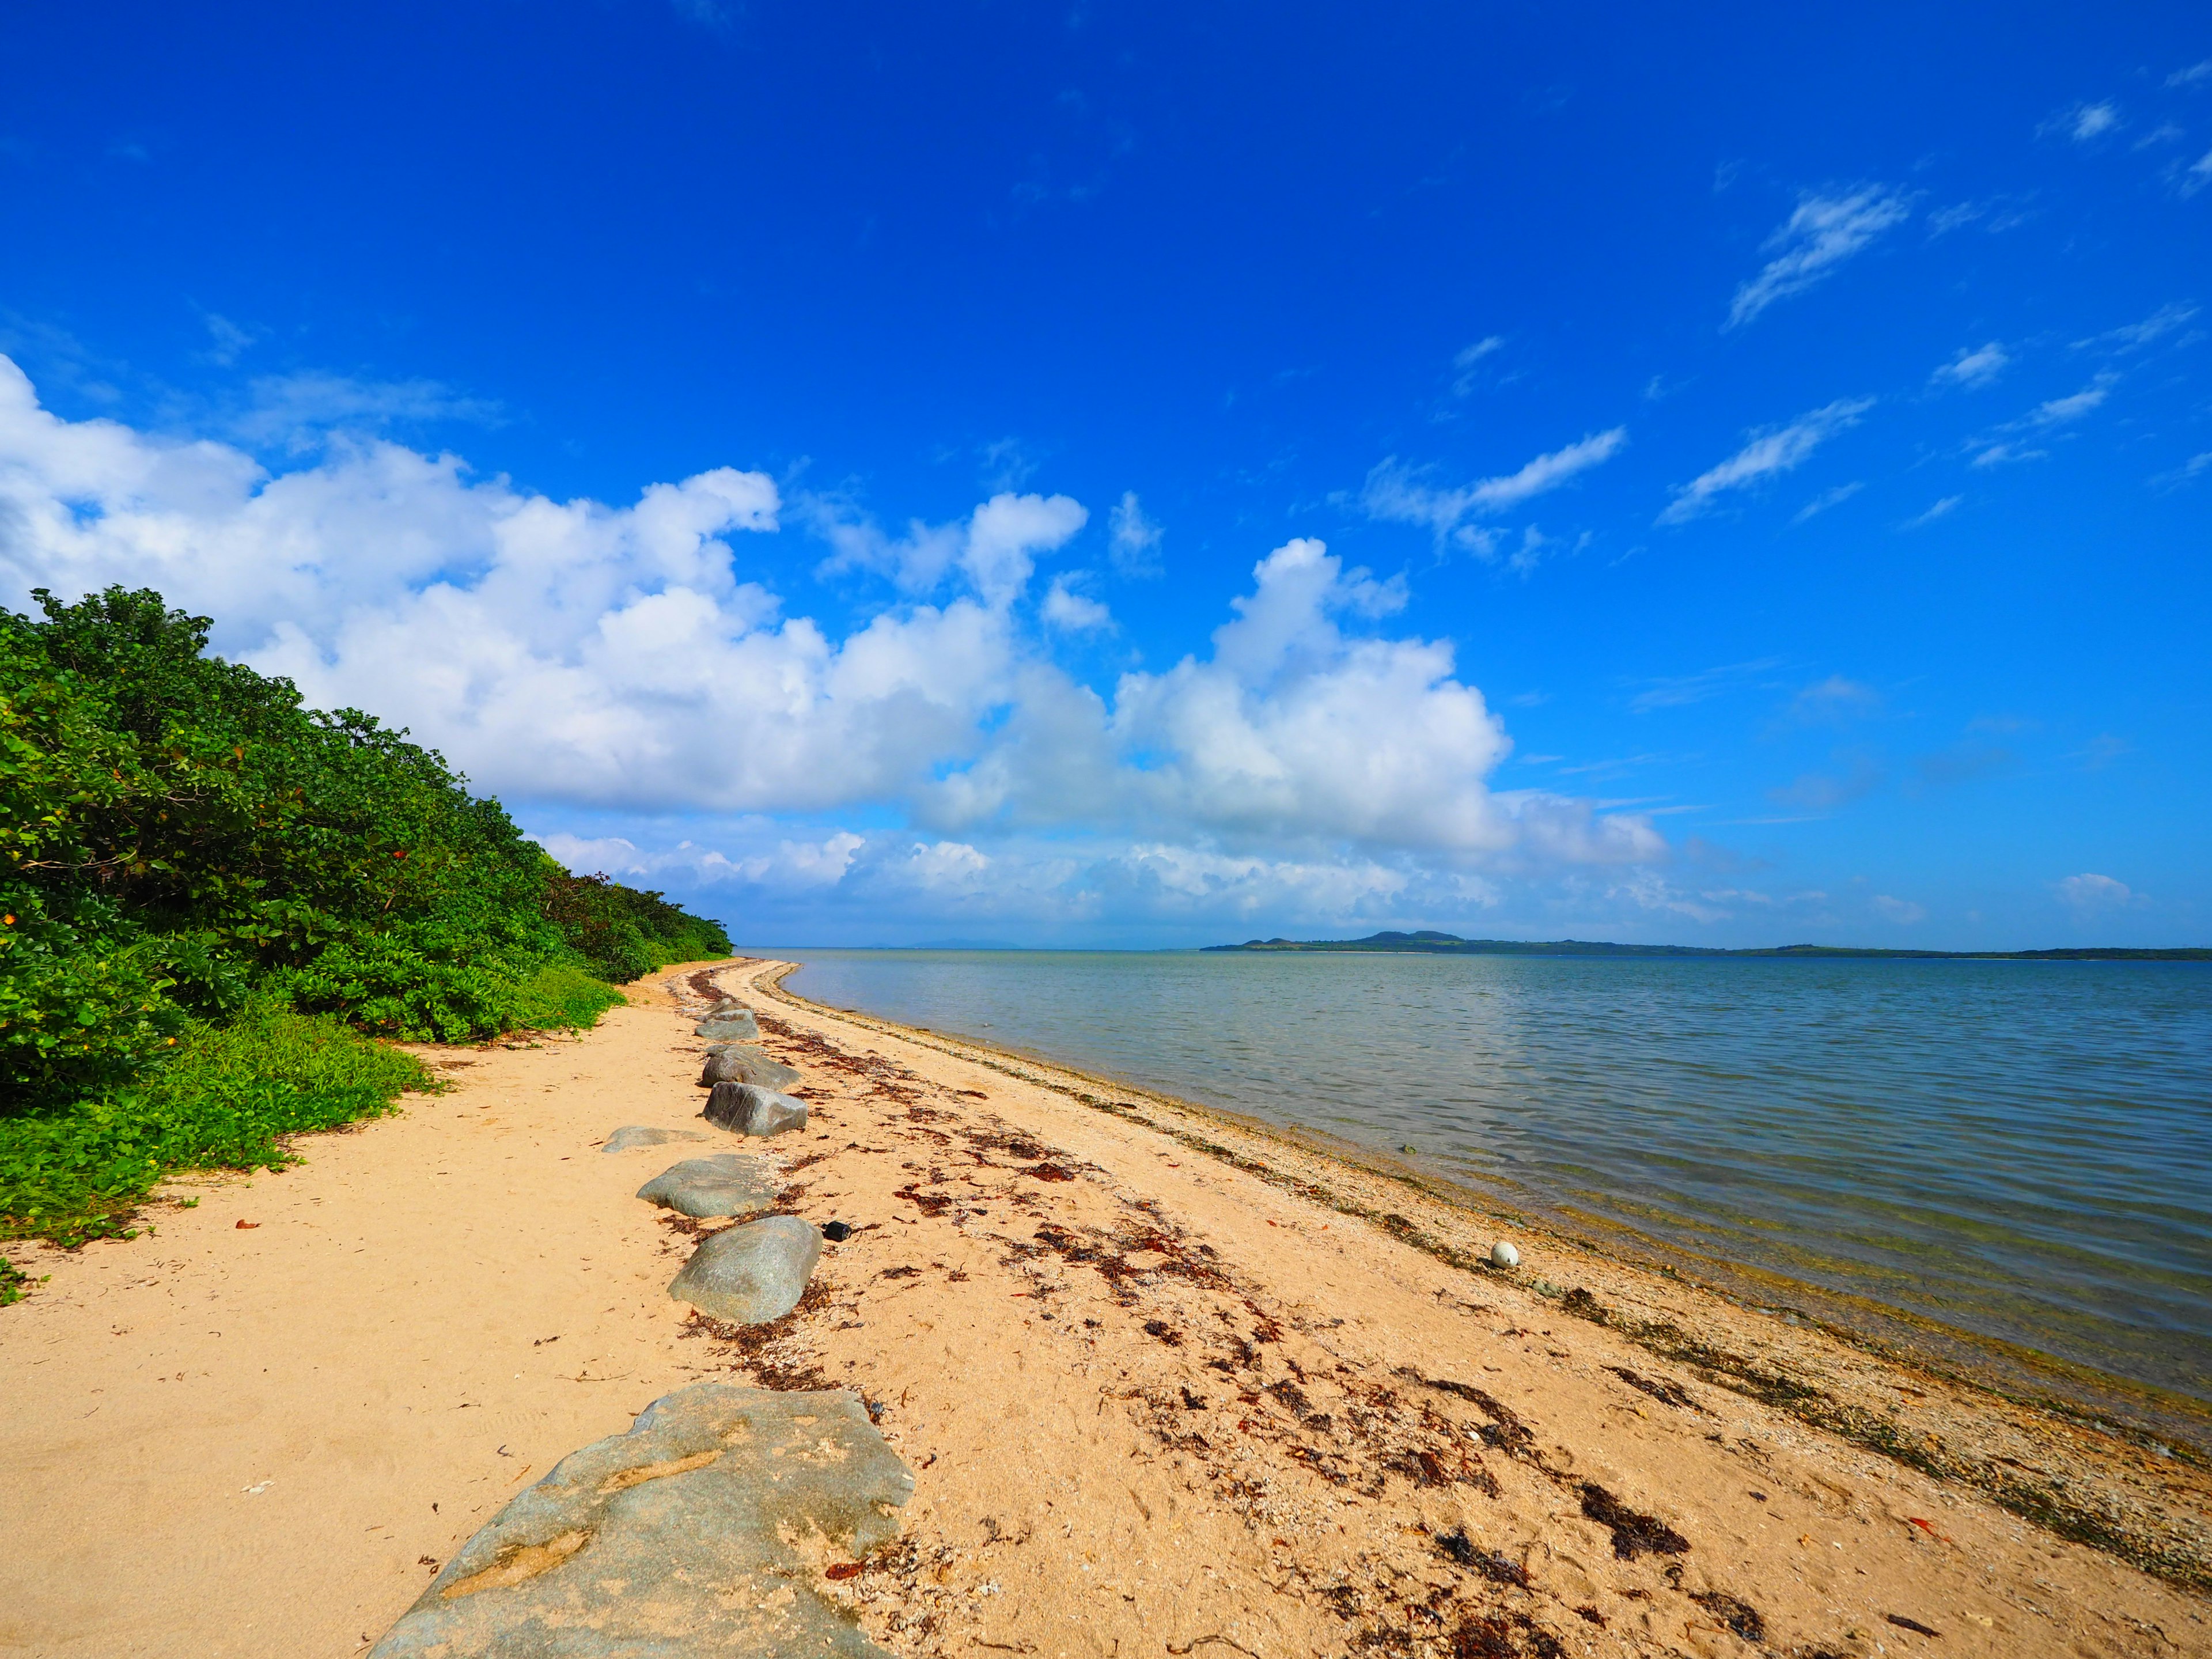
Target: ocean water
2015, 1150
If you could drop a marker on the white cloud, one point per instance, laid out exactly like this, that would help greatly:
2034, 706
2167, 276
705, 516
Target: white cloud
2168, 318
1769, 453
995, 548
2004, 454
1903, 912
2057, 411
2196, 174
2084, 121
612, 658
1817, 238
297, 413
1827, 499
1942, 509
1398, 493
1834, 701
2089, 895
2194, 75
1133, 539
1468, 361
1064, 608
1974, 366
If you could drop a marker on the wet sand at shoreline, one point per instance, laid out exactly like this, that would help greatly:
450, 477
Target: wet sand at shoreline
1166, 1383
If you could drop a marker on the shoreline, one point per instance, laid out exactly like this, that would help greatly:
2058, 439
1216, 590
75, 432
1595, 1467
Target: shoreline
1779, 1358
1160, 1382
2150, 1414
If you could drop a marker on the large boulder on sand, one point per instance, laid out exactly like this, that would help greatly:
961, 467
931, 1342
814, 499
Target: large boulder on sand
752, 1273
746, 1108
692, 1534
640, 1134
735, 1062
725, 1184
740, 1026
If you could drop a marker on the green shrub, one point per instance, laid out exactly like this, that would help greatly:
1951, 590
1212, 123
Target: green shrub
190, 860
219, 1096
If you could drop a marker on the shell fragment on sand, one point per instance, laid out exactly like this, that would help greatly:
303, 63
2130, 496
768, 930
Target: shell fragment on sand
725, 1184
739, 1025
640, 1134
750, 1273
746, 1108
735, 1062
670, 1539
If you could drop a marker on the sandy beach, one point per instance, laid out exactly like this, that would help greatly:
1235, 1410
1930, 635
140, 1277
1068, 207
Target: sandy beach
1167, 1384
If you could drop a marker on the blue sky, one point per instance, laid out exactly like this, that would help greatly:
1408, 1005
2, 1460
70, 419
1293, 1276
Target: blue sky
1152, 475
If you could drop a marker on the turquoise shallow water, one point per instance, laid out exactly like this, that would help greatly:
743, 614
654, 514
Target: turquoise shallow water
2021, 1151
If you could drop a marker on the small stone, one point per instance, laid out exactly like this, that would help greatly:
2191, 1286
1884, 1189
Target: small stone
735, 1062
725, 1184
750, 1273
740, 1026
746, 1108
696, 1533
639, 1134
1502, 1255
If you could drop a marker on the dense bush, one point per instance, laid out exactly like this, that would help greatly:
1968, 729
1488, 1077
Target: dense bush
180, 841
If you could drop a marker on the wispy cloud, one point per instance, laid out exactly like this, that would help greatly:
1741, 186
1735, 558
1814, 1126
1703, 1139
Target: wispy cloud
2197, 174
1902, 911
1768, 453
298, 412
1827, 499
1822, 793
2084, 121
2195, 74
1679, 690
1401, 494
1974, 366
2195, 467
1823, 233
2058, 411
1134, 540
1469, 362
2134, 336
1834, 701
1942, 509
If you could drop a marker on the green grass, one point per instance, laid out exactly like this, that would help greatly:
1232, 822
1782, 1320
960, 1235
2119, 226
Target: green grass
223, 1100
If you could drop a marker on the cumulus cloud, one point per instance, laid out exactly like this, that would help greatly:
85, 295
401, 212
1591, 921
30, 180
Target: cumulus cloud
994, 548
1817, 238
1769, 453
1065, 609
1399, 494
1974, 366
613, 659
2087, 895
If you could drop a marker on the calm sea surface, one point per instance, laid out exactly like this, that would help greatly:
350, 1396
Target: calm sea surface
2021, 1150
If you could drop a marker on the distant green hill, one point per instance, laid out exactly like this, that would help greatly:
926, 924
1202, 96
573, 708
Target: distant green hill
1429, 943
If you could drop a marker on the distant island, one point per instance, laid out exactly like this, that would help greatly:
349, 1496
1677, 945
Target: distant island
1450, 944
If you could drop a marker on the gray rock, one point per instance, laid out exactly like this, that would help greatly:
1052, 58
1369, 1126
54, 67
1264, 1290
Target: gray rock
725, 1184
734, 1062
670, 1541
752, 1273
740, 1026
746, 1108
637, 1134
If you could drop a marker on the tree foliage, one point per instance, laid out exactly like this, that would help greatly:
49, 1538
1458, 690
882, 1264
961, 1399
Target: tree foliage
180, 836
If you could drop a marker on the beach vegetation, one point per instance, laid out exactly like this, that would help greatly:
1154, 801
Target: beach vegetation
214, 901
